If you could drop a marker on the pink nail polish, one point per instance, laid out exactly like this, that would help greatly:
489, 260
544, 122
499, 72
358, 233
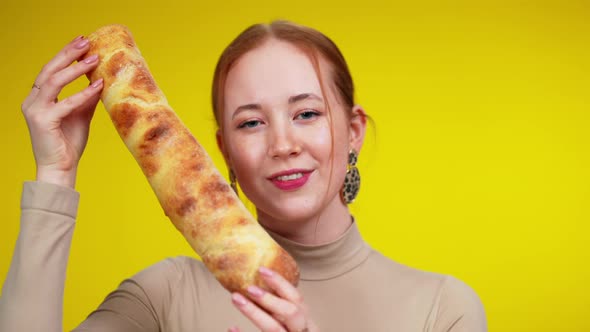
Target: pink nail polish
91, 58
266, 271
255, 291
238, 299
77, 38
96, 83
82, 43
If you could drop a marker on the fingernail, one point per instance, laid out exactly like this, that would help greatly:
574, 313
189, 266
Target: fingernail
238, 299
265, 271
91, 58
77, 38
96, 83
255, 291
82, 43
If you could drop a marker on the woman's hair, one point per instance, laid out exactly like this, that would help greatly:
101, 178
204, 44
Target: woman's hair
312, 42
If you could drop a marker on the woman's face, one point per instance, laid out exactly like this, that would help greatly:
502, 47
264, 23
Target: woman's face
277, 133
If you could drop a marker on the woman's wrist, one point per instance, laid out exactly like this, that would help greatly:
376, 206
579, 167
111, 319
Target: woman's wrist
59, 177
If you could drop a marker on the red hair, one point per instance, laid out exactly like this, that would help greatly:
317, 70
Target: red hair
310, 41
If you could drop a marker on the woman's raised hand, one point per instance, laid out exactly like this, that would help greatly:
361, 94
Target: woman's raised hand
280, 311
59, 129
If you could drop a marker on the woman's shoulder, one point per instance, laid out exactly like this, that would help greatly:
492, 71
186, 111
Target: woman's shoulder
172, 276
179, 266
453, 300
403, 273
173, 271
457, 306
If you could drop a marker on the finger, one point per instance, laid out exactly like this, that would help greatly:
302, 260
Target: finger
87, 108
287, 313
74, 50
86, 96
256, 315
63, 59
55, 83
233, 329
280, 285
91, 103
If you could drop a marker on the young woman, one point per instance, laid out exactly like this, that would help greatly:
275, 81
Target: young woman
289, 131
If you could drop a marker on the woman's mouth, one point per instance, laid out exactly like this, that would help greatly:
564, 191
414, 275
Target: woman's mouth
289, 177
290, 180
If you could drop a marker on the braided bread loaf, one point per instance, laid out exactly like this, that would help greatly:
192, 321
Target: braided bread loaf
193, 194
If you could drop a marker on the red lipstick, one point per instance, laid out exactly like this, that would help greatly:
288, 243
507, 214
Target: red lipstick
291, 179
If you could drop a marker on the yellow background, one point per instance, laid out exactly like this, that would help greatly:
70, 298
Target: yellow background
478, 166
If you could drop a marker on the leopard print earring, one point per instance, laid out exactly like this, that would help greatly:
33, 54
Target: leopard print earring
352, 180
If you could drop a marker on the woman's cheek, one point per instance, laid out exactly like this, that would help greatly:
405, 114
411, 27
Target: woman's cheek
247, 154
327, 145
320, 135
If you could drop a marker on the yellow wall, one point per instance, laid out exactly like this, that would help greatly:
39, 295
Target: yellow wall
479, 166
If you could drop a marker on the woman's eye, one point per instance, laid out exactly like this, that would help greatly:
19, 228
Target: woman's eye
306, 115
249, 124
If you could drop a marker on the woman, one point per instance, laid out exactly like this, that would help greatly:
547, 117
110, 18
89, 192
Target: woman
289, 131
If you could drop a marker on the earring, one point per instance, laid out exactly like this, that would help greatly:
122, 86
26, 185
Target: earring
232, 181
352, 180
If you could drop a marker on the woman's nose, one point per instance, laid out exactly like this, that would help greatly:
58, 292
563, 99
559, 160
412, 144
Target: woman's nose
283, 142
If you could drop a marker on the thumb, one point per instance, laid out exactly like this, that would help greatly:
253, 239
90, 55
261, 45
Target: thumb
87, 98
87, 108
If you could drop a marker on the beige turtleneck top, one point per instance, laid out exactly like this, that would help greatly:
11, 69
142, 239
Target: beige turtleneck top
346, 285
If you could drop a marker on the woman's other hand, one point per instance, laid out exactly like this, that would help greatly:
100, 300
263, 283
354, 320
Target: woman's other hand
282, 311
59, 129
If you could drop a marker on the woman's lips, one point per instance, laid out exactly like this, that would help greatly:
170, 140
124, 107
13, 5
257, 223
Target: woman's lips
290, 180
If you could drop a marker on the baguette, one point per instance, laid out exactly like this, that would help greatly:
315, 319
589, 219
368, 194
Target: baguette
191, 191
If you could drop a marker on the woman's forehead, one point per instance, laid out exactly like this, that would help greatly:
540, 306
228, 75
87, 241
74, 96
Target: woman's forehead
270, 73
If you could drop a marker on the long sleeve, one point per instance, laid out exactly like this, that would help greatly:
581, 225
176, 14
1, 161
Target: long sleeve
140, 303
32, 295
457, 309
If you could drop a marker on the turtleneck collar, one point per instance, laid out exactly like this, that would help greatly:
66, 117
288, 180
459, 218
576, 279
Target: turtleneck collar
328, 260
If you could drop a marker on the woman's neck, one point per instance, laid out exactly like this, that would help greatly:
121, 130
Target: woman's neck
323, 227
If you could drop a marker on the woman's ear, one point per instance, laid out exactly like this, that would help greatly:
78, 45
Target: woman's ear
221, 146
358, 126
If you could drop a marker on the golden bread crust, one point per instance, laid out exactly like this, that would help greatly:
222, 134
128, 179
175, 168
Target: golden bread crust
192, 192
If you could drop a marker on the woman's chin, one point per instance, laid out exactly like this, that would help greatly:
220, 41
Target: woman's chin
290, 211
294, 209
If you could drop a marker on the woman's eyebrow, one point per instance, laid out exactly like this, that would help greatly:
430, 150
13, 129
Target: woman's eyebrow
246, 107
303, 96
292, 100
